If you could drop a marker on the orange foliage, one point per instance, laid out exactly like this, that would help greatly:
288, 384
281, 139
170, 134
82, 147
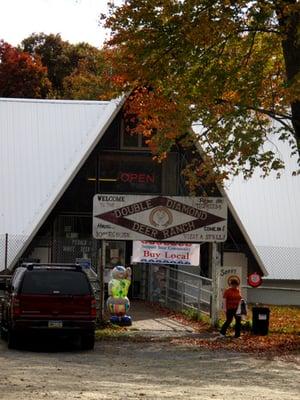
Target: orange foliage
157, 119
210, 63
22, 75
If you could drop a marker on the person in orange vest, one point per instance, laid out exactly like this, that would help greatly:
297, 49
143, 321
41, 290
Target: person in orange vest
232, 297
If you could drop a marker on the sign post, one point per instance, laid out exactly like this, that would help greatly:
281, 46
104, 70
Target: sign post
216, 262
101, 281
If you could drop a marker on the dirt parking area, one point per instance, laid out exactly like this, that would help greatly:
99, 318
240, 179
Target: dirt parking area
147, 370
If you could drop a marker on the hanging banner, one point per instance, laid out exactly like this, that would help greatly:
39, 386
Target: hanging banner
165, 253
159, 218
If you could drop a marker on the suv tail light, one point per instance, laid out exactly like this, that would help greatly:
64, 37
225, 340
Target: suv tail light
16, 310
93, 307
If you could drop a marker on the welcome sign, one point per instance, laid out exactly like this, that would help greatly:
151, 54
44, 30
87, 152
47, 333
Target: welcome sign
159, 218
165, 253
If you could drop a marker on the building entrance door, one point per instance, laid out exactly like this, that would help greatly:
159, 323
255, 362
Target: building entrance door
115, 253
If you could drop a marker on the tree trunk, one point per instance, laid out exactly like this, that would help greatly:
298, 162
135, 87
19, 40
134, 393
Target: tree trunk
290, 23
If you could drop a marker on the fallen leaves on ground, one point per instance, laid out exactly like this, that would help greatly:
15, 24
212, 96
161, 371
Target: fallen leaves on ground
283, 337
285, 319
275, 344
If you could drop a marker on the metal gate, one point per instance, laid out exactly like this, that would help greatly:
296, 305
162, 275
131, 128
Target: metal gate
175, 288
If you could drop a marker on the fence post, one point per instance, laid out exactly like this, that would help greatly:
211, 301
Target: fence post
199, 296
167, 286
182, 293
6, 251
151, 283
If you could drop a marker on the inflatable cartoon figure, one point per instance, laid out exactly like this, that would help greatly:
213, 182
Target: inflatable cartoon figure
118, 303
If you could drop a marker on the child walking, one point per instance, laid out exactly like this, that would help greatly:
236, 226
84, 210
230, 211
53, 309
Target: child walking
232, 297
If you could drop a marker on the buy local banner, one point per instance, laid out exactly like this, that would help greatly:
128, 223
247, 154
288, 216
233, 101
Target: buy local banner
166, 253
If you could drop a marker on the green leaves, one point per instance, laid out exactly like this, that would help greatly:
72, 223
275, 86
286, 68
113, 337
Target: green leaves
220, 63
75, 71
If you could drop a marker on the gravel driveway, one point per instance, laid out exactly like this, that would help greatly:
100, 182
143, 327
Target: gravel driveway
150, 370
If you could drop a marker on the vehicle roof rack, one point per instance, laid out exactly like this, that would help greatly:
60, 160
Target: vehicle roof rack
31, 266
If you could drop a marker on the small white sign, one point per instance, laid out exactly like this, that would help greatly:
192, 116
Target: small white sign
262, 317
166, 253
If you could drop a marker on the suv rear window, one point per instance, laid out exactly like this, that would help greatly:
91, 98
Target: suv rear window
55, 282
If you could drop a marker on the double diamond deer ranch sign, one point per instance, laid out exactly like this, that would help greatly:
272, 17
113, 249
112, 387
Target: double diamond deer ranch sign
159, 218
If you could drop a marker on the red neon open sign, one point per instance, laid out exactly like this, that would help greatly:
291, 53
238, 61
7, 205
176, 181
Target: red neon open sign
132, 177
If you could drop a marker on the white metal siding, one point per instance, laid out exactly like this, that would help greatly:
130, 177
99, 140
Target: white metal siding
268, 213
269, 209
43, 145
273, 296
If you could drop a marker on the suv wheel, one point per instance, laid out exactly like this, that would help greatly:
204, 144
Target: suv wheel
88, 341
12, 339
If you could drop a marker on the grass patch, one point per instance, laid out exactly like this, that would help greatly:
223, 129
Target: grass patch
195, 315
111, 331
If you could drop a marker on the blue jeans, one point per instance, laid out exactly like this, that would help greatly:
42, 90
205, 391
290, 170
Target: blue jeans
229, 317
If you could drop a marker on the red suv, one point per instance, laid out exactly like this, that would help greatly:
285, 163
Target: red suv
49, 298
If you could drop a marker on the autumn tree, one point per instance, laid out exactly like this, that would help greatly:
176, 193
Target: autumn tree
89, 80
232, 67
54, 54
21, 75
73, 69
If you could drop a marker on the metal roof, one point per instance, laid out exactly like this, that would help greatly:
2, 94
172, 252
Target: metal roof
44, 143
269, 209
283, 262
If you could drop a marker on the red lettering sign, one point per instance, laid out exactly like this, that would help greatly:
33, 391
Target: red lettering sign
132, 177
118, 217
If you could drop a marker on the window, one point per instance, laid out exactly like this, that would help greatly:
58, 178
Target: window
132, 141
56, 281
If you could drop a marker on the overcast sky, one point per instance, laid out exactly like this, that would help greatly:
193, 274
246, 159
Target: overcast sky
75, 20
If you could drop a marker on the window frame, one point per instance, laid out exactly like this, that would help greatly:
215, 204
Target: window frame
139, 146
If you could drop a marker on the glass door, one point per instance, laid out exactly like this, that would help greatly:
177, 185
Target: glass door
115, 252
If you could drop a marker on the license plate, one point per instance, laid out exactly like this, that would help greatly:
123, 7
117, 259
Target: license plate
55, 324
